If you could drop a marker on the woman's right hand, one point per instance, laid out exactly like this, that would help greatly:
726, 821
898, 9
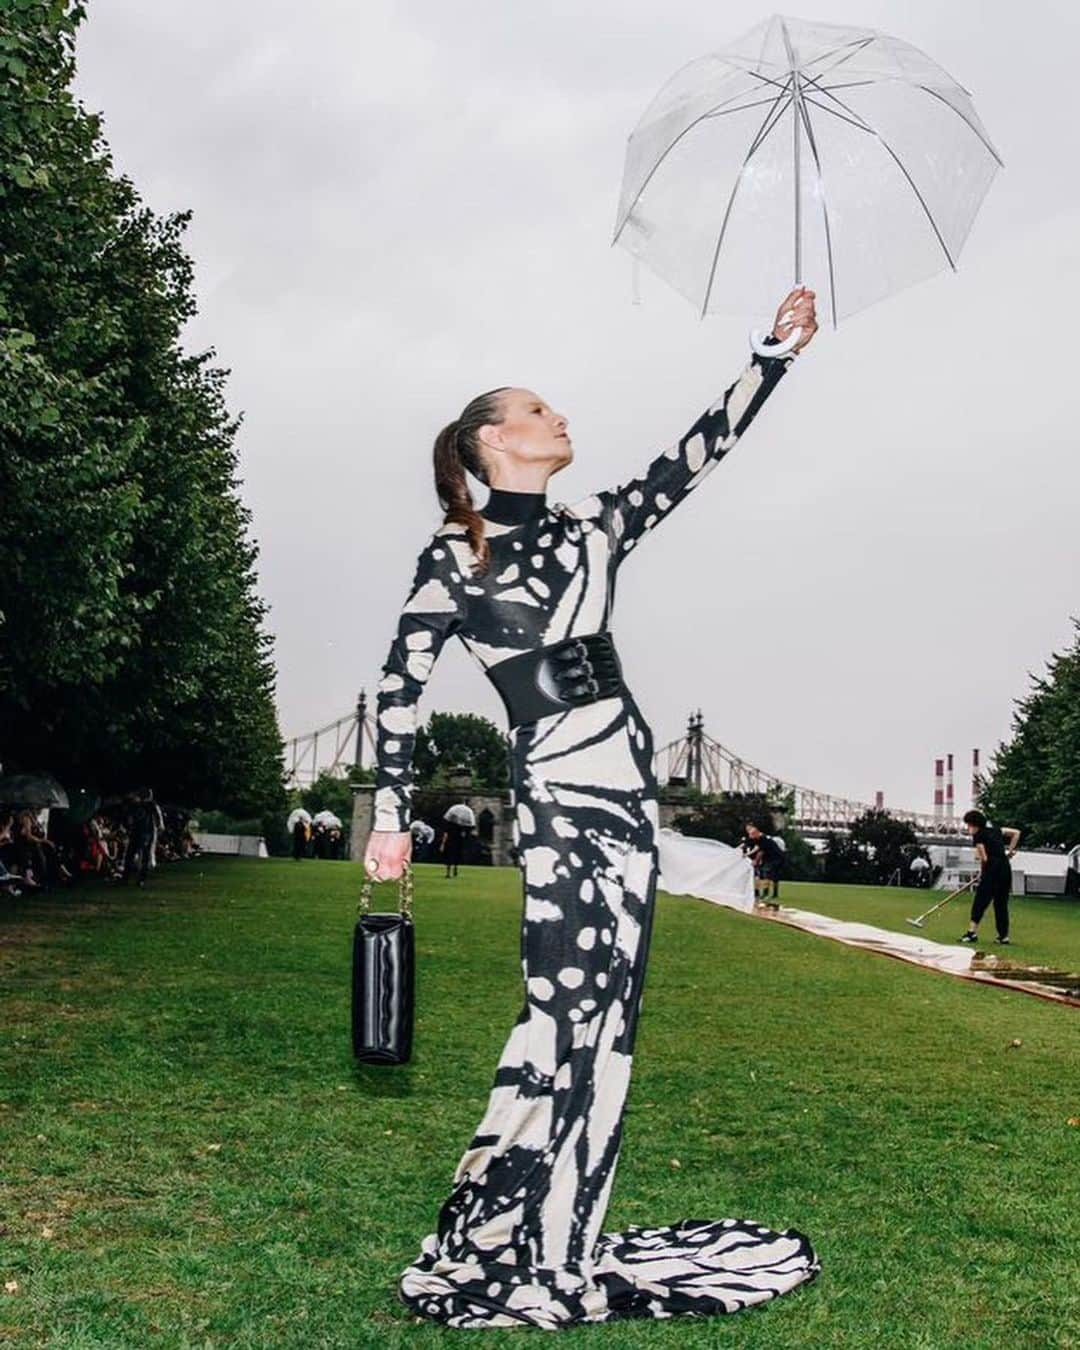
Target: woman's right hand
386, 854
796, 311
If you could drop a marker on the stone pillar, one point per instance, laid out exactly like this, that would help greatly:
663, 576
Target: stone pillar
363, 817
502, 827
674, 799
503, 846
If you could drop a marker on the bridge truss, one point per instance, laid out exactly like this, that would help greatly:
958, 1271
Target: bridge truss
698, 761
332, 749
694, 760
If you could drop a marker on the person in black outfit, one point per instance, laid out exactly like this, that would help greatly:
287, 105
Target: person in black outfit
767, 857
452, 845
993, 848
141, 821
299, 840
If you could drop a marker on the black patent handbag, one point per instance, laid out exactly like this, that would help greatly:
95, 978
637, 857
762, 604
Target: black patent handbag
384, 978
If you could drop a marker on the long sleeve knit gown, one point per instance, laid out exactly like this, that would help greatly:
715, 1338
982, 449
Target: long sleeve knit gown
518, 1240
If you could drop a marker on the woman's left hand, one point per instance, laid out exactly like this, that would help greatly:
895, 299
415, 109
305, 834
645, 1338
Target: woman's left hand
796, 311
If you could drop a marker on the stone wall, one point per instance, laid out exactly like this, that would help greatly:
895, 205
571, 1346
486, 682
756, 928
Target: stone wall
673, 802
498, 804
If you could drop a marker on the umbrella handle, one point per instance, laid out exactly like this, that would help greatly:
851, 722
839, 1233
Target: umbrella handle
763, 348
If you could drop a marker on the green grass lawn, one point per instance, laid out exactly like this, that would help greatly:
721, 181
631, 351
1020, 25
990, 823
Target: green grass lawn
189, 1157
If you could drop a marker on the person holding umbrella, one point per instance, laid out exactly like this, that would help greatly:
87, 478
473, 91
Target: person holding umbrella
457, 822
450, 846
528, 588
423, 837
299, 826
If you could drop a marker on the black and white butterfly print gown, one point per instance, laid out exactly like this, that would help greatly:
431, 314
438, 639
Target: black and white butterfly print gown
518, 1240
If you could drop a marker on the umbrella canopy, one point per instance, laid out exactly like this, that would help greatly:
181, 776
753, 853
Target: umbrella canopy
32, 789
327, 818
298, 814
461, 815
805, 152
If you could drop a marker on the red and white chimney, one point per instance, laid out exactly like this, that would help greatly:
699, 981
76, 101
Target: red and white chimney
939, 788
950, 803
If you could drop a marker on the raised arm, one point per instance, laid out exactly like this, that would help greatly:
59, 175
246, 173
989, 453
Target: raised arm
639, 505
434, 609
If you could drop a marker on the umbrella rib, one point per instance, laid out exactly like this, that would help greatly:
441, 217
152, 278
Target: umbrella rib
853, 121
815, 80
710, 112
863, 125
824, 207
772, 117
858, 44
847, 84
742, 107
965, 119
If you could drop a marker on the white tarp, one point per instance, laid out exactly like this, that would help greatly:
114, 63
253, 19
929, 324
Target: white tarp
908, 946
705, 868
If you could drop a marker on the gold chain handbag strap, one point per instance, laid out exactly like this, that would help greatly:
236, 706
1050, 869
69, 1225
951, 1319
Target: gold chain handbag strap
405, 892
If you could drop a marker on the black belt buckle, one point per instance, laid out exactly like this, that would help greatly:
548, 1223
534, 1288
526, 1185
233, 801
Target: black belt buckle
549, 680
580, 671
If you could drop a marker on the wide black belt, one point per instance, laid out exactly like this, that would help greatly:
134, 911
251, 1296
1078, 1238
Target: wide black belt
553, 679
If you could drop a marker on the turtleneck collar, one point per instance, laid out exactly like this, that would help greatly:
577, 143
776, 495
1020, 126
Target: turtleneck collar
504, 507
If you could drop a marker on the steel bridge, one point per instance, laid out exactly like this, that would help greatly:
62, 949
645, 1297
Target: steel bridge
693, 760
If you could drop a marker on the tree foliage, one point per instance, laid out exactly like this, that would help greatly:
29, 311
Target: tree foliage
724, 816
1034, 779
451, 740
132, 646
845, 861
876, 847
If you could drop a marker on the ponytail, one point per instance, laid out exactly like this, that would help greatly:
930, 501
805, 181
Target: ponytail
457, 449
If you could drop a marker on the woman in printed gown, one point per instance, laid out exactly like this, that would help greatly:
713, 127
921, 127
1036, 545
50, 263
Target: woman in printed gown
518, 1241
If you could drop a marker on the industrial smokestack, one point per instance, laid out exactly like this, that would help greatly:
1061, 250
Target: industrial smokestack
939, 788
974, 776
950, 804
879, 800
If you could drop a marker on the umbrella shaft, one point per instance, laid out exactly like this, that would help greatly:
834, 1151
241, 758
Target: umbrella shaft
796, 147
796, 160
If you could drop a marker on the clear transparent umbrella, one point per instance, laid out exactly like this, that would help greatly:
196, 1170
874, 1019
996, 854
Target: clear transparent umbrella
839, 158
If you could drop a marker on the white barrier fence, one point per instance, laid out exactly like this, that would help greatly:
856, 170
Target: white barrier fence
238, 845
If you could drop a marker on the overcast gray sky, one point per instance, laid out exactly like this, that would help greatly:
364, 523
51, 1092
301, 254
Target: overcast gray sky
399, 204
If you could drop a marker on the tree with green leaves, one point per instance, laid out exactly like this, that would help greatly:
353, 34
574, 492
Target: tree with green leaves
890, 844
1034, 778
846, 862
724, 816
453, 740
875, 849
132, 646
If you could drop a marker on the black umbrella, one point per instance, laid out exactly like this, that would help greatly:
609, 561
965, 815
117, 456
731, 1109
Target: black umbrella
32, 789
